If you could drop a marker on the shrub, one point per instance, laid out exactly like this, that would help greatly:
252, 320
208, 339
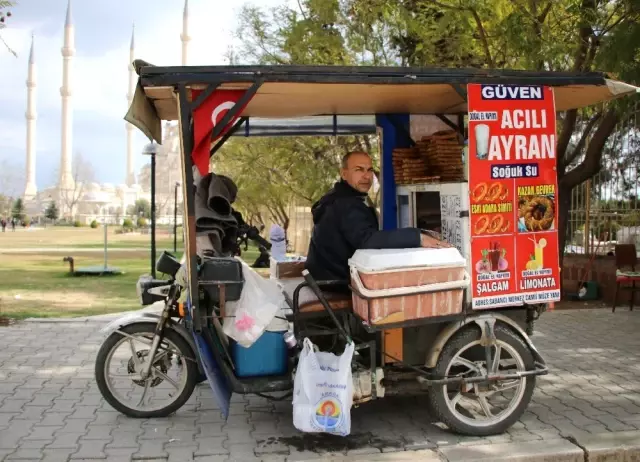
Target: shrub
631, 219
142, 222
94, 224
127, 223
77, 224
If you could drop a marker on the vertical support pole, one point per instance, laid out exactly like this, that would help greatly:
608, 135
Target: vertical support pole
391, 138
587, 220
175, 219
153, 215
105, 245
188, 216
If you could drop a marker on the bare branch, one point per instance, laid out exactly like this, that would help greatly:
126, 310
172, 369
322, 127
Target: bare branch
591, 163
481, 30
302, 10
8, 47
606, 27
545, 12
586, 31
483, 37
583, 139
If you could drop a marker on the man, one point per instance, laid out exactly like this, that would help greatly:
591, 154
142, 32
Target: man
344, 222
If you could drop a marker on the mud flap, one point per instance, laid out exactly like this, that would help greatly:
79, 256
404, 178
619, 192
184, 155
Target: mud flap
215, 376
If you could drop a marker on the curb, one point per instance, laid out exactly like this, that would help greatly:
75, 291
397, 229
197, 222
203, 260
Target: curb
101, 318
609, 447
579, 447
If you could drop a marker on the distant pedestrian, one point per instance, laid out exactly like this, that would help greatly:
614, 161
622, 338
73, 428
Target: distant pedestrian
13, 225
3, 222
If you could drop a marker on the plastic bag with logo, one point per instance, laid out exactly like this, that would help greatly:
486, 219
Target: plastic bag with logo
261, 299
323, 391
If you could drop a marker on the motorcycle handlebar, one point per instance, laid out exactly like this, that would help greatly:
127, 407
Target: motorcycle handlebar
262, 241
254, 235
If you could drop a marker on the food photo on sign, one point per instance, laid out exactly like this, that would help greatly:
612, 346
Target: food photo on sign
536, 208
512, 195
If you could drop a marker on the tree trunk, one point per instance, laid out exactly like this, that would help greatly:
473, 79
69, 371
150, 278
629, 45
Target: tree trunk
588, 168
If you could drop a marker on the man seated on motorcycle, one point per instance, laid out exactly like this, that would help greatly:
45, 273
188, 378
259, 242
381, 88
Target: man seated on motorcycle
344, 221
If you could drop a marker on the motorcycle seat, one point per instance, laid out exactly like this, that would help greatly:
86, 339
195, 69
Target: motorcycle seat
337, 302
308, 302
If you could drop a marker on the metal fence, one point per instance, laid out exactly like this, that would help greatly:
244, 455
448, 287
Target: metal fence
605, 209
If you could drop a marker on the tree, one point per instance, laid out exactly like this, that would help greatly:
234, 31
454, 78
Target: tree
5, 204
141, 208
556, 35
271, 173
82, 175
18, 210
52, 212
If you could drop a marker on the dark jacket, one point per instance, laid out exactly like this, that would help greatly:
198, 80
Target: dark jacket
344, 223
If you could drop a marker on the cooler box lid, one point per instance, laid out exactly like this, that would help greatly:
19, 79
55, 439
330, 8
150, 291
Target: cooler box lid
372, 260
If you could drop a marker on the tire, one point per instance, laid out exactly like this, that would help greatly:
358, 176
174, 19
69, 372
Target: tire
183, 348
439, 402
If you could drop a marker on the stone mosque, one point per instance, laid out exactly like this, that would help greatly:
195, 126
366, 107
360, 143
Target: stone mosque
75, 194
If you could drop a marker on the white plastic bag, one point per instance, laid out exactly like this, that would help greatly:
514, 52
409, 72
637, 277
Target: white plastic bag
323, 391
259, 302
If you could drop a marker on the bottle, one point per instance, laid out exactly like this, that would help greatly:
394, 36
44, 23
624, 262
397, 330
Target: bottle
290, 340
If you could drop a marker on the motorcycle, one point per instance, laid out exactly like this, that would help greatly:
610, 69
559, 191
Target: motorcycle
162, 336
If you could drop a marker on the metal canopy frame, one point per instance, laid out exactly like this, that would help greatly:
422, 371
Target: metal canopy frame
458, 78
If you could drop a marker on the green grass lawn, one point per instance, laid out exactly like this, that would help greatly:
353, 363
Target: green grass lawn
39, 284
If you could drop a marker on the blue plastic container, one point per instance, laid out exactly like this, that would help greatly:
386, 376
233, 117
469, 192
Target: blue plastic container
267, 356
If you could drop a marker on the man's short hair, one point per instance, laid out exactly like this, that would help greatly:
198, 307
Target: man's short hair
347, 156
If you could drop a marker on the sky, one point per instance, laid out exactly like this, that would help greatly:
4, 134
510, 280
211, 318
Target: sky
99, 74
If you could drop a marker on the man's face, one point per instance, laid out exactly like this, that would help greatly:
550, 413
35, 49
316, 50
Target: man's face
359, 172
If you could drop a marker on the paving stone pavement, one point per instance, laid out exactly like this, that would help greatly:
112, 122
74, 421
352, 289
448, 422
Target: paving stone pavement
51, 409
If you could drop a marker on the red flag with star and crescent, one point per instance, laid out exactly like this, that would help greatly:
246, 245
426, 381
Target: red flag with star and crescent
205, 117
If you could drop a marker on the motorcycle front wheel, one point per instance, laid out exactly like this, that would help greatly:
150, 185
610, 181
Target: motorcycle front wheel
170, 383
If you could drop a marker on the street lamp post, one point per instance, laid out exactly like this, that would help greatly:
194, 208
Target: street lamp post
175, 218
151, 149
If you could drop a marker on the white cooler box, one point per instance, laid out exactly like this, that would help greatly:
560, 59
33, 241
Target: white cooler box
395, 285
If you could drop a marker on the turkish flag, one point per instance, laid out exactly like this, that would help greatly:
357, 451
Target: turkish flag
205, 117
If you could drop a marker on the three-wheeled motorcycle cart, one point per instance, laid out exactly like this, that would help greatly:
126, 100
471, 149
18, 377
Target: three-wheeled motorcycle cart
473, 355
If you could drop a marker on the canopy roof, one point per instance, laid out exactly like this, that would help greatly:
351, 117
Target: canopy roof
303, 91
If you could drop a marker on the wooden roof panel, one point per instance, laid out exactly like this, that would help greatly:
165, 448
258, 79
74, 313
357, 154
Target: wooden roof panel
277, 99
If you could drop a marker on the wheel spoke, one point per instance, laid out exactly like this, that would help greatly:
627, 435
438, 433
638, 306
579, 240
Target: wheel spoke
484, 404
164, 376
144, 392
160, 354
456, 399
466, 363
495, 362
134, 353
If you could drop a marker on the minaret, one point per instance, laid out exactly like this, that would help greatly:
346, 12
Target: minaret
31, 189
131, 176
68, 50
184, 37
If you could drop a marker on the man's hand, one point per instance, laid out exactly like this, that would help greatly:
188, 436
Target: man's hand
432, 243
